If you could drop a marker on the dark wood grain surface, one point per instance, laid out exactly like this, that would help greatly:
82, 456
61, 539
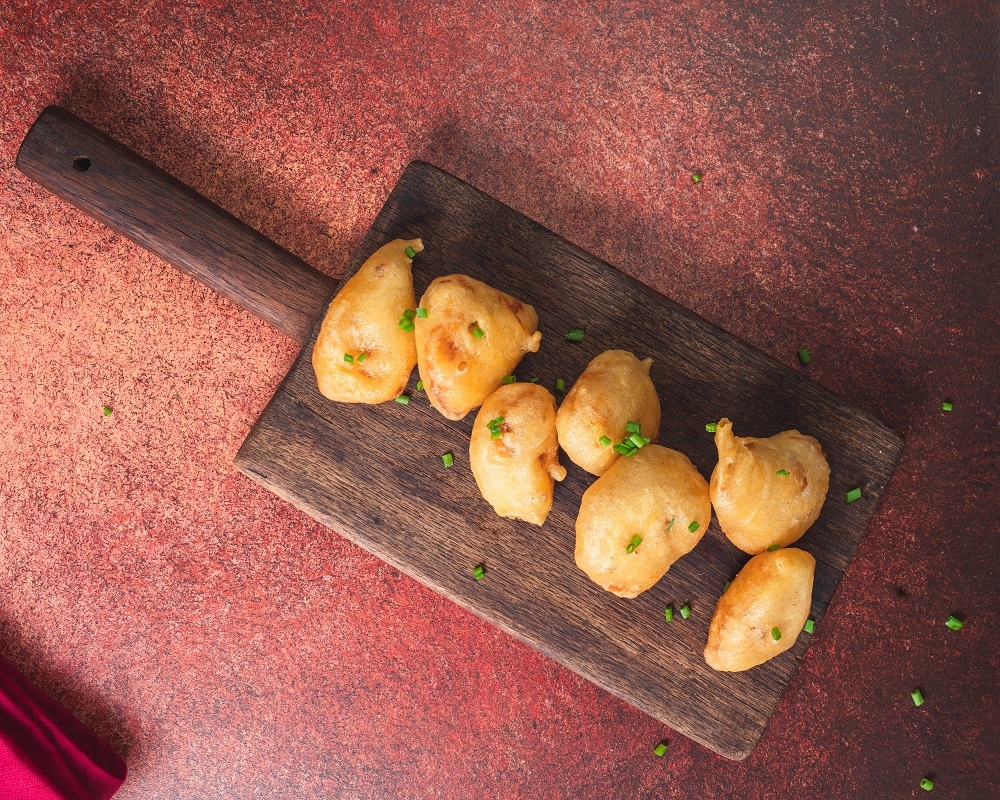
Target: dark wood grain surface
374, 473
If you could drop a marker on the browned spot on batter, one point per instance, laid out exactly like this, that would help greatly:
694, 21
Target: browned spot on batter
379, 270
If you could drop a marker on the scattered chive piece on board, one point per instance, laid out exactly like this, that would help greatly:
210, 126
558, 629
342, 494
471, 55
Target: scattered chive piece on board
954, 623
420, 386
685, 611
479, 572
696, 177
854, 494
668, 613
711, 427
575, 335
660, 749
810, 626
560, 385
728, 584
926, 784
447, 459
804, 357
918, 697
403, 399
946, 406
107, 411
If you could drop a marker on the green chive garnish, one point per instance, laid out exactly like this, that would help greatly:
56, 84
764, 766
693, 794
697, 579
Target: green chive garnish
632, 427
685, 611
926, 784
107, 411
422, 312
668, 612
420, 386
693, 527
660, 749
560, 385
403, 399
728, 584
946, 406
773, 547
409, 314
711, 427
509, 379
479, 572
954, 623
348, 358
854, 494
783, 472
804, 357
605, 441
696, 177
478, 332
532, 380
775, 634
447, 459
918, 697
494, 427
362, 357
637, 440
669, 526
636, 541
410, 252
810, 626
495, 422
406, 321
575, 335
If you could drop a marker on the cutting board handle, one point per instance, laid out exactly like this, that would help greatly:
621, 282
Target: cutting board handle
111, 183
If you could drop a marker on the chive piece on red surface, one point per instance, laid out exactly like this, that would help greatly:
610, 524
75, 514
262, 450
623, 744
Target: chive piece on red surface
685, 611
696, 177
693, 527
776, 633
854, 494
660, 749
918, 697
711, 427
447, 459
479, 572
403, 399
410, 252
773, 547
668, 613
605, 440
422, 312
107, 412
575, 335
783, 472
804, 357
810, 626
509, 379
632, 545
420, 386
560, 385
348, 358
946, 406
954, 623
926, 784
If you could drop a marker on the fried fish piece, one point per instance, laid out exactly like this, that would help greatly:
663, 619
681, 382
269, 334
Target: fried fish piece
513, 452
762, 611
613, 390
767, 491
471, 337
362, 355
639, 517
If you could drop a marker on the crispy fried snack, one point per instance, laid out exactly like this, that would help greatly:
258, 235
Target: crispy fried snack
473, 336
514, 454
362, 355
613, 390
767, 491
762, 611
638, 518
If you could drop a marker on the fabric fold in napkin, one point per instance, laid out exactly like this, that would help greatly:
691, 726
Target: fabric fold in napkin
45, 753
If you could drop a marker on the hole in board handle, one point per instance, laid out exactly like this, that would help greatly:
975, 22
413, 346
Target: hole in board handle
81, 164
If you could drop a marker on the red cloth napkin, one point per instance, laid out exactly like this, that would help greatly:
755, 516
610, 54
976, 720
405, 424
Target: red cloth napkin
45, 753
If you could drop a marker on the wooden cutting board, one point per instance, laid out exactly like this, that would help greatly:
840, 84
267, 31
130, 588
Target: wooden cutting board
374, 473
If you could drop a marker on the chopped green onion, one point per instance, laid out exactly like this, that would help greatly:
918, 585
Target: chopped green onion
406, 323
532, 380
560, 385
403, 399
810, 626
696, 177
660, 749
637, 440
685, 611
575, 335
773, 547
420, 386
410, 252
926, 784
478, 332
954, 623
495, 422
632, 427
854, 494
479, 572
775, 634
804, 357
946, 406
362, 357
605, 441
447, 459
670, 525
711, 427
693, 527
422, 312
783, 472
624, 449
668, 612
918, 697
728, 584
509, 379
409, 313
107, 411
348, 358
496, 434
636, 541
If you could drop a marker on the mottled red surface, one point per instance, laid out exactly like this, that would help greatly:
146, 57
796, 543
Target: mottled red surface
230, 647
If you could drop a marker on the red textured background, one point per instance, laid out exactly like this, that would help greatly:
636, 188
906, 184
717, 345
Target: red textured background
230, 647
